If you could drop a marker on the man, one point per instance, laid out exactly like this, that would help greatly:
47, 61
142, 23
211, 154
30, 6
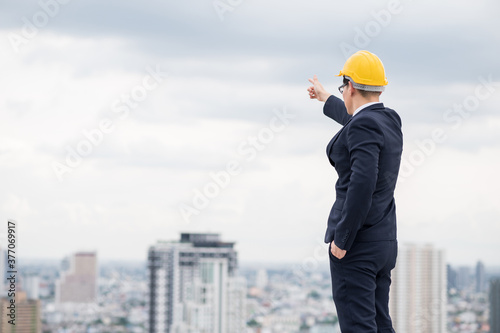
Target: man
366, 154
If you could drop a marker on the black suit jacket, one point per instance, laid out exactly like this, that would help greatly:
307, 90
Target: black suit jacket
366, 154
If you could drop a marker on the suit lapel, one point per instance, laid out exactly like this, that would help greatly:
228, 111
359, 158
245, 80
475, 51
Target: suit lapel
332, 141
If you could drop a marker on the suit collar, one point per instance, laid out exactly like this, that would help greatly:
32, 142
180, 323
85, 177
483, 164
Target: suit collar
371, 105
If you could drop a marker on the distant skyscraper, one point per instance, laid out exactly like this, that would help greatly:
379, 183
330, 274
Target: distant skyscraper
193, 286
27, 315
31, 285
78, 284
261, 280
480, 277
464, 279
495, 306
451, 277
418, 292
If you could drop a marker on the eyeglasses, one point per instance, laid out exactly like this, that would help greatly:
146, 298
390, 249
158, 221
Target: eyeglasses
341, 88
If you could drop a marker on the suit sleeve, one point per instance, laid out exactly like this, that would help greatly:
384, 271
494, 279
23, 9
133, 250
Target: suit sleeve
335, 108
364, 142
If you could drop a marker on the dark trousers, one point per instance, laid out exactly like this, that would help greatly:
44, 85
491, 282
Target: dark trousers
360, 285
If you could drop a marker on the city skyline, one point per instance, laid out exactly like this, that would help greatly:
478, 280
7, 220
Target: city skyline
277, 297
494, 269
124, 124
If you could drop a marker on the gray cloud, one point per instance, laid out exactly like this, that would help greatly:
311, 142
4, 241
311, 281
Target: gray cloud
225, 78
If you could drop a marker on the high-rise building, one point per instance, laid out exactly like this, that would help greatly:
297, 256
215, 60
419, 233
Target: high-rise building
480, 277
194, 287
495, 306
464, 279
31, 285
452, 277
27, 316
418, 292
78, 283
261, 279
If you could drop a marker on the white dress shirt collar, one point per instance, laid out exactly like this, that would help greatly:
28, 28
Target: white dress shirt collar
363, 106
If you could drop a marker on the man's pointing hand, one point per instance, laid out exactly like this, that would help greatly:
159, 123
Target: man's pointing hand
316, 91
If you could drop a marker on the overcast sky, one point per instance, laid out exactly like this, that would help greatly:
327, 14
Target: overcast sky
127, 122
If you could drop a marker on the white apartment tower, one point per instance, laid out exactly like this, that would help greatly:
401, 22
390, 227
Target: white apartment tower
193, 287
418, 291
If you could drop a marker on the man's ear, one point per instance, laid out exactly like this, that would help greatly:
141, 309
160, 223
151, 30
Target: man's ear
351, 88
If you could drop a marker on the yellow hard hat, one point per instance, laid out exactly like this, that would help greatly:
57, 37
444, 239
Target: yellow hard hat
365, 69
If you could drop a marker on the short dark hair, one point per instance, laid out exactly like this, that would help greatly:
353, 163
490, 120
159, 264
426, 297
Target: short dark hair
367, 94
